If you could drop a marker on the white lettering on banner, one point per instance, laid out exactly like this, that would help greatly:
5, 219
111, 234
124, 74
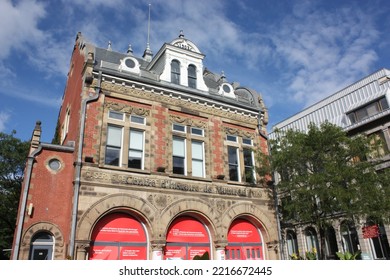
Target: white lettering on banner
241, 233
178, 232
131, 231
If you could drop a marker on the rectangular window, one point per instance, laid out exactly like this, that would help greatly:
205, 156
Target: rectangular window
179, 128
197, 159
241, 160
247, 141
114, 145
196, 131
137, 119
136, 149
179, 152
383, 104
115, 115
126, 140
370, 109
234, 174
231, 138
249, 166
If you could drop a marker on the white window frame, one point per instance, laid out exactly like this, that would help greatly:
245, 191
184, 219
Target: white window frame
189, 134
184, 157
127, 124
142, 150
120, 147
202, 160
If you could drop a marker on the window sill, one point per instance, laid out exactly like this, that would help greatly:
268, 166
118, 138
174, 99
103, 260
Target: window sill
132, 170
186, 177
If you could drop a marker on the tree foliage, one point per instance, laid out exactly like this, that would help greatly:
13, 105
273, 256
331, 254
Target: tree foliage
13, 154
325, 173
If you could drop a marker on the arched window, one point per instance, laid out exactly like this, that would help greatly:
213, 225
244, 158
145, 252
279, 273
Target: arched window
192, 76
292, 244
350, 238
175, 72
311, 241
42, 245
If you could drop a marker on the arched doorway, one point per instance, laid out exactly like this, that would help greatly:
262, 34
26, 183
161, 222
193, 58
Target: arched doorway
330, 243
244, 241
42, 244
186, 238
118, 236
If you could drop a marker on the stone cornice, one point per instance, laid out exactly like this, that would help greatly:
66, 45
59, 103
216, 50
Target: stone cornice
204, 105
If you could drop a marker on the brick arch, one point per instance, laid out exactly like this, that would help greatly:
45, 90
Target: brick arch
59, 248
142, 209
192, 207
251, 212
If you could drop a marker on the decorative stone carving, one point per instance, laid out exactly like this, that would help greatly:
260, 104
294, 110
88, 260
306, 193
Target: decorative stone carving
187, 121
159, 200
118, 107
239, 132
193, 104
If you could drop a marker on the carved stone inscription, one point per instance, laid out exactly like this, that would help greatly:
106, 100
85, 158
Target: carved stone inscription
108, 178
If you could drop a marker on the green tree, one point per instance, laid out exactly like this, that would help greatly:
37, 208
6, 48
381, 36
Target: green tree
13, 154
324, 174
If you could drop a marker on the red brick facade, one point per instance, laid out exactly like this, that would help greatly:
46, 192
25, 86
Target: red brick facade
88, 188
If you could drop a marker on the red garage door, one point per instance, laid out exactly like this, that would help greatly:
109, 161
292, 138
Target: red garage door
244, 242
118, 237
186, 238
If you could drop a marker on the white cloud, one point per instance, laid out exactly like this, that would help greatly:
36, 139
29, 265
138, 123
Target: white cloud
325, 51
4, 117
19, 24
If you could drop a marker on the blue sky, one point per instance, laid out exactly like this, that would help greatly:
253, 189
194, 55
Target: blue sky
292, 52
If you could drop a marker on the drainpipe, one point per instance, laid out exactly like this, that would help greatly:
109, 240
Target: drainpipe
78, 164
27, 179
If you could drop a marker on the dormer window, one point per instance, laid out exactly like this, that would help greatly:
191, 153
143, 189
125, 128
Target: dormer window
192, 76
175, 72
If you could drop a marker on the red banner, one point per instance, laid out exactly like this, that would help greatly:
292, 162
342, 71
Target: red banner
243, 231
370, 231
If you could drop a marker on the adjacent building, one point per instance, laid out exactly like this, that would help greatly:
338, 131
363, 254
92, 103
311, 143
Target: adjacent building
362, 107
154, 158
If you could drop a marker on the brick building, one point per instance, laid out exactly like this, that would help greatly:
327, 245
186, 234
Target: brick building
155, 159
359, 108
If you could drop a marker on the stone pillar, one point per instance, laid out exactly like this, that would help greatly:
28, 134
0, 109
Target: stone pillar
220, 246
157, 249
82, 249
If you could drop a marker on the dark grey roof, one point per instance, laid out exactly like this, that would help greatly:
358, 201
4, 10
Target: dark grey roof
109, 61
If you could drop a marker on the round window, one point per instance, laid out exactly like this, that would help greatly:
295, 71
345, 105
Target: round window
54, 164
226, 88
130, 63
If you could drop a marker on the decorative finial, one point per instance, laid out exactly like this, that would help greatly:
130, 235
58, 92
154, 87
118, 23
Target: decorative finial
181, 35
129, 50
109, 46
223, 77
148, 53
